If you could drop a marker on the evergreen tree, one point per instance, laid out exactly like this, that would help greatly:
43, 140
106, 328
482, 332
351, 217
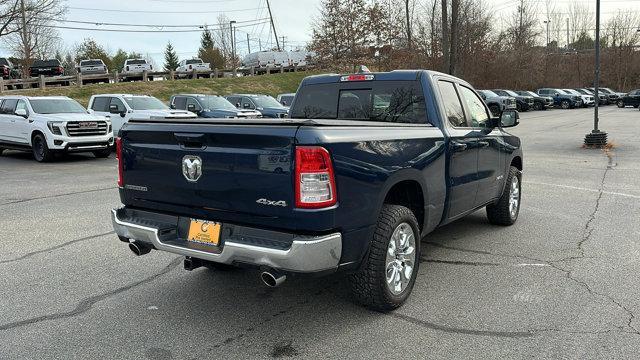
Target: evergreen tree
170, 58
208, 52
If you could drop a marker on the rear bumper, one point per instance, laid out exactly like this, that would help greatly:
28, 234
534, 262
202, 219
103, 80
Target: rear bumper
238, 245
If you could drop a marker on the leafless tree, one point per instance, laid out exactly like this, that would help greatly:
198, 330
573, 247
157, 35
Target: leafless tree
9, 15
33, 35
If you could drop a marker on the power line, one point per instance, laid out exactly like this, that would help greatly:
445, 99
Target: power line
160, 12
130, 30
98, 23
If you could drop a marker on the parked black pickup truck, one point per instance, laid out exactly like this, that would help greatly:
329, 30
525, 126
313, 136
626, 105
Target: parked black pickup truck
365, 167
50, 67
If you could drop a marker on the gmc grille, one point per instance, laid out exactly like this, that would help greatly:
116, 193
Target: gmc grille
87, 128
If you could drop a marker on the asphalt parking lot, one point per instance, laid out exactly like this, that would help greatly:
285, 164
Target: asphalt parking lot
561, 283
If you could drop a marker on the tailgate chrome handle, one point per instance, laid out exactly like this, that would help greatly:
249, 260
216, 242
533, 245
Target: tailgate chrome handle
190, 140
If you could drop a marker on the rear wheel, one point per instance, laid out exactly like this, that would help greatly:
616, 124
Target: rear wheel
506, 210
40, 149
620, 104
538, 106
102, 154
386, 278
565, 104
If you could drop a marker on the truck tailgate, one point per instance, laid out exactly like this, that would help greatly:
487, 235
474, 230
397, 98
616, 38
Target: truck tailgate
245, 169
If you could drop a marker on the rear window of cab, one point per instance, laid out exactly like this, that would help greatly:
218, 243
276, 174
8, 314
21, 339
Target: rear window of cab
383, 101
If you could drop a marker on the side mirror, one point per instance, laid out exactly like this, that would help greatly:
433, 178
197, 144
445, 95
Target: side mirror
123, 114
21, 112
238, 105
113, 109
509, 118
284, 102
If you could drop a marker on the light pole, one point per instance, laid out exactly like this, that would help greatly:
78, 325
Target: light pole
547, 23
596, 138
233, 46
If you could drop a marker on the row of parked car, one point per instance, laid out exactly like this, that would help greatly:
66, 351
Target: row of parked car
58, 124
499, 100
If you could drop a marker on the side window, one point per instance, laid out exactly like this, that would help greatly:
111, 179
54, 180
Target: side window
194, 102
180, 103
477, 111
22, 105
8, 106
247, 103
100, 104
235, 101
117, 102
452, 106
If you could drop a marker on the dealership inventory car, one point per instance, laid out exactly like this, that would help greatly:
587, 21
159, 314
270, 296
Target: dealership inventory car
92, 67
367, 165
523, 102
49, 125
134, 69
587, 100
632, 98
121, 108
51, 67
210, 106
539, 102
612, 96
286, 99
604, 99
561, 98
497, 103
267, 105
186, 67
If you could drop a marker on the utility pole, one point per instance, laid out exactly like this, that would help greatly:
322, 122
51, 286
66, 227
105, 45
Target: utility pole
547, 23
233, 46
26, 43
273, 26
260, 44
445, 38
248, 44
284, 48
567, 33
406, 4
596, 138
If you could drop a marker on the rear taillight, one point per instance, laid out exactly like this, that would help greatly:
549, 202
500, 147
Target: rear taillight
120, 161
315, 180
127, 68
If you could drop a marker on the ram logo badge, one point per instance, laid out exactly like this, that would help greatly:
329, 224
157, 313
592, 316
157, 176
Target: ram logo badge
264, 201
192, 168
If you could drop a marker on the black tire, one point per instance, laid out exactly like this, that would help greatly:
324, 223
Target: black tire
1, 151
102, 154
538, 106
565, 104
495, 109
620, 104
518, 107
635, 106
40, 149
500, 213
368, 284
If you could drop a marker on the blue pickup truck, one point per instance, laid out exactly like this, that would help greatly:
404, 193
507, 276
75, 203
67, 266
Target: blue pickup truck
365, 167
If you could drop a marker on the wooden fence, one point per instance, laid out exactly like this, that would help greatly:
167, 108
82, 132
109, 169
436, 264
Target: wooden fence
43, 82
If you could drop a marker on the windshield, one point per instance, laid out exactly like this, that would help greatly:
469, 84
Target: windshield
194, 61
384, 101
511, 93
216, 102
266, 102
286, 99
90, 62
145, 103
531, 93
608, 90
488, 93
560, 91
573, 92
56, 106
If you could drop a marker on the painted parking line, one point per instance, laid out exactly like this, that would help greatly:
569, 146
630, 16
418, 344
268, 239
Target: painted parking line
584, 189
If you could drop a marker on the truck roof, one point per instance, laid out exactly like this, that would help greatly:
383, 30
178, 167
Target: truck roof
123, 95
391, 75
33, 97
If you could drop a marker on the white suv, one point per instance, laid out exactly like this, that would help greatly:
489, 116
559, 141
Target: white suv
49, 124
120, 108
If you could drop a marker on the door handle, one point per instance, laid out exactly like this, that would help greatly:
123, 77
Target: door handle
483, 144
457, 147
